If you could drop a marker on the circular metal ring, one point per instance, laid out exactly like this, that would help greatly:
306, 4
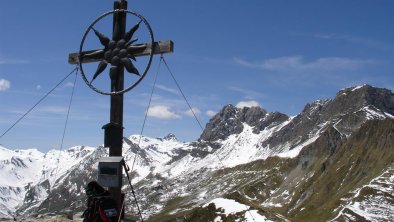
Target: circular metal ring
150, 55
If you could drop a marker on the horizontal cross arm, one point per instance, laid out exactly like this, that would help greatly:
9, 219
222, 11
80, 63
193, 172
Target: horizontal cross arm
160, 47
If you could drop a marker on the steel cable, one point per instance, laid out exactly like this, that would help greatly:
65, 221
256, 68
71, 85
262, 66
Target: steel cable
195, 116
126, 168
65, 125
187, 102
37, 103
184, 97
147, 109
139, 141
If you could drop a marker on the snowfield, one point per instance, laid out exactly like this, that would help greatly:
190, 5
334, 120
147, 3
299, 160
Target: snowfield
232, 207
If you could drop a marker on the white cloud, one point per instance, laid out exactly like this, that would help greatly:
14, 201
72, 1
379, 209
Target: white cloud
190, 113
4, 85
53, 110
298, 63
68, 84
248, 94
6, 60
162, 112
356, 40
250, 103
210, 113
38, 87
65, 86
167, 89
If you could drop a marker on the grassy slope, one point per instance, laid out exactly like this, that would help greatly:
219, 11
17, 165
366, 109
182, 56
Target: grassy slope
356, 162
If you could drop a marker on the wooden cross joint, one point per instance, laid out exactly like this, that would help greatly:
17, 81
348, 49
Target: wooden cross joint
161, 47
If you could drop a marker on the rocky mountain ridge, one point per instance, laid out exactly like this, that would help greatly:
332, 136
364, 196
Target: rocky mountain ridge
268, 161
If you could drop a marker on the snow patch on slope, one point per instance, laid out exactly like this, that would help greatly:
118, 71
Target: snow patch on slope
376, 202
373, 113
357, 87
235, 150
231, 207
294, 151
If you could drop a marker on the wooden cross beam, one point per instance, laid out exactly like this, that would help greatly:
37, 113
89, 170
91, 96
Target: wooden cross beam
161, 47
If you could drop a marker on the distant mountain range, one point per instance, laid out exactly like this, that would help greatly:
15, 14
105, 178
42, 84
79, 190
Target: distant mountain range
332, 162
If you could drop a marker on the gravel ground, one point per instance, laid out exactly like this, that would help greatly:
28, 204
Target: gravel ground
57, 218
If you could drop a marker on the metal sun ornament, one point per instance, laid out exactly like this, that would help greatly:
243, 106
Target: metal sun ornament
117, 53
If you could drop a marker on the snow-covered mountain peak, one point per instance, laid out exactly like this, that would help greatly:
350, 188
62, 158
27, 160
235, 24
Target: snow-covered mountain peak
7, 154
20, 166
354, 88
230, 120
316, 106
171, 137
364, 91
144, 141
76, 149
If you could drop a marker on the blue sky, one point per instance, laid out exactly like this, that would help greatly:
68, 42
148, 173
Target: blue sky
278, 54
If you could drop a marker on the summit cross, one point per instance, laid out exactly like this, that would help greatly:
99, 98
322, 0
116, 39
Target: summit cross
118, 53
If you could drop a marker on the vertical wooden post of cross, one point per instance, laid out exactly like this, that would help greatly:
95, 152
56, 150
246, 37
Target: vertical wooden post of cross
113, 136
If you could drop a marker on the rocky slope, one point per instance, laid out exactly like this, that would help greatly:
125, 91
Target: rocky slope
333, 161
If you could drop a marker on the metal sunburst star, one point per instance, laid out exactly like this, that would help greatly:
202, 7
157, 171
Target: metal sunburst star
117, 53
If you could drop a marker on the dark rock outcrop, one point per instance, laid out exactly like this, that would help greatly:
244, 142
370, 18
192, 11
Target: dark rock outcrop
230, 121
346, 112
